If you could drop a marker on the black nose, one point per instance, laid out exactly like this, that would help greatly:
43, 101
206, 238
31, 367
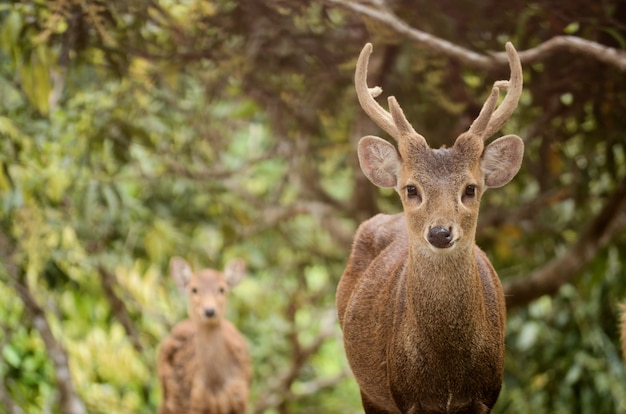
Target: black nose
440, 237
209, 312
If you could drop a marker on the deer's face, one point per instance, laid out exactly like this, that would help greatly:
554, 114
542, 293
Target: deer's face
207, 290
440, 191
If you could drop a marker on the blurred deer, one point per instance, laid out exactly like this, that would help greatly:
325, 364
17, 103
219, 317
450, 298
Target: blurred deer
204, 365
421, 307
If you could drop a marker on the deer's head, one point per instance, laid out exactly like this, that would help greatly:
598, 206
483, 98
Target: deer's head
441, 188
206, 289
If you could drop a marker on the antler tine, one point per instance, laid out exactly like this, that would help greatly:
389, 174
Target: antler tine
483, 118
377, 113
394, 123
490, 121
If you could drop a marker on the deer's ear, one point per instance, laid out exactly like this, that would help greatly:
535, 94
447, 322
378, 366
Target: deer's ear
379, 161
234, 272
502, 159
180, 271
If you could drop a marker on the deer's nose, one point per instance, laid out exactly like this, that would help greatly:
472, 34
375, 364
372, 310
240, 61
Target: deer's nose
209, 312
440, 237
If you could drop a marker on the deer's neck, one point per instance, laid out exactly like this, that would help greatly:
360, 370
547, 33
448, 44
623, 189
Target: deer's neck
211, 352
445, 291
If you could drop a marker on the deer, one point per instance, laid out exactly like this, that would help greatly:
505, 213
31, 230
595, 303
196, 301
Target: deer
420, 305
204, 364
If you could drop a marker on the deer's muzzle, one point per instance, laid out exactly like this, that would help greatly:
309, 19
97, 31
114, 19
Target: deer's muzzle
440, 237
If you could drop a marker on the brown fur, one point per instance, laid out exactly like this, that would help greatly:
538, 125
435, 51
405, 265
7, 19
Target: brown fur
623, 329
435, 351
421, 308
204, 365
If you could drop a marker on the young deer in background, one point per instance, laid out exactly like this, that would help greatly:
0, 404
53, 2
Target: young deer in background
204, 365
420, 305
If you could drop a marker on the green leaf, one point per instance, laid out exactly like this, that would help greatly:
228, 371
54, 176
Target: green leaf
11, 356
11, 29
571, 28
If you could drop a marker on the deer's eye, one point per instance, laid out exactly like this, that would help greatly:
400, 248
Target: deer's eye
411, 191
194, 290
221, 290
470, 190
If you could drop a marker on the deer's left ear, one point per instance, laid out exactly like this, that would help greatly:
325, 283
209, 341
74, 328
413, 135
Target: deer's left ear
501, 160
234, 272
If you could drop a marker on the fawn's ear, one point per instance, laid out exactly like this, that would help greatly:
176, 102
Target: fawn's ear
501, 160
379, 161
180, 271
234, 272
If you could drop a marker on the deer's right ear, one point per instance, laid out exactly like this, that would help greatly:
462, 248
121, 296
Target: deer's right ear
180, 271
379, 161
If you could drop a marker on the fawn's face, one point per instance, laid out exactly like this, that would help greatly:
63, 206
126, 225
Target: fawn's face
206, 291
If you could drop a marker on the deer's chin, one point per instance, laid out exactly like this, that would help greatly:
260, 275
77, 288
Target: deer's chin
207, 320
451, 247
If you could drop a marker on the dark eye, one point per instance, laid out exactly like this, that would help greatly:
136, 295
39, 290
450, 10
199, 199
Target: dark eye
470, 190
411, 191
194, 290
222, 290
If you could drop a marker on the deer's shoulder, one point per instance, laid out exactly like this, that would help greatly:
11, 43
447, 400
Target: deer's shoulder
382, 230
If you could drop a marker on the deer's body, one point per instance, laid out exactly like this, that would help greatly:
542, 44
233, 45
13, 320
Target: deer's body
455, 364
421, 308
204, 366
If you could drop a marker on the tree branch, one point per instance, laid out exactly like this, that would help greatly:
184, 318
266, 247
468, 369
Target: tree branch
280, 394
573, 44
70, 402
548, 279
119, 308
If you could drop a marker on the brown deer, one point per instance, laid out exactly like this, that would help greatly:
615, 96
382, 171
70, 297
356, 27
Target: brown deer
421, 308
204, 366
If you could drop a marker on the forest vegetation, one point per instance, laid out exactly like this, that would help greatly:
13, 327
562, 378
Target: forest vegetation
132, 131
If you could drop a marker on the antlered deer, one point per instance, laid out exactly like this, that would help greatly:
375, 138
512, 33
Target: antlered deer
204, 365
421, 308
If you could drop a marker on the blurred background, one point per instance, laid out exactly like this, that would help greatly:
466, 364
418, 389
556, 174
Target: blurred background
135, 130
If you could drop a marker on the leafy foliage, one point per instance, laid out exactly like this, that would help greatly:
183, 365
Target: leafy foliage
132, 131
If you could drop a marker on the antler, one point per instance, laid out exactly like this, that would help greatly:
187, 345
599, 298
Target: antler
393, 122
488, 121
